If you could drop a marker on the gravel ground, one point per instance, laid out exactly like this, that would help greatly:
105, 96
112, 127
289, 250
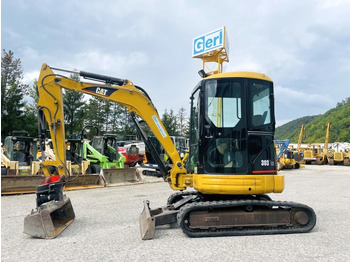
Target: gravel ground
106, 227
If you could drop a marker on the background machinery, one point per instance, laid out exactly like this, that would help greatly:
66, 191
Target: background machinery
301, 136
102, 151
231, 164
315, 153
335, 156
150, 165
20, 165
338, 157
19, 154
287, 158
311, 152
321, 157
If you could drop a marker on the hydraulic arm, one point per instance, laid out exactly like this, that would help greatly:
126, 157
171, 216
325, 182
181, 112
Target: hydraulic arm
121, 91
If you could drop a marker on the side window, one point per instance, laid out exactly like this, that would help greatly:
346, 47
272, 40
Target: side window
260, 95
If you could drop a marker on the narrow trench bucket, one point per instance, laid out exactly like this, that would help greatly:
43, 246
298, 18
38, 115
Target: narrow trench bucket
147, 222
49, 219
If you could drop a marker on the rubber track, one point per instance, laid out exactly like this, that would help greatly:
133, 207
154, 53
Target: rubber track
249, 230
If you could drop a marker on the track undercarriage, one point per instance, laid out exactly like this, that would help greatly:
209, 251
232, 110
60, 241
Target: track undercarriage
201, 215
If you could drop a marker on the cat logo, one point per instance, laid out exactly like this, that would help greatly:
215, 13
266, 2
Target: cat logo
101, 91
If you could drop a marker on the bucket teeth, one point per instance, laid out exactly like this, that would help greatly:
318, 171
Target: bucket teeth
49, 219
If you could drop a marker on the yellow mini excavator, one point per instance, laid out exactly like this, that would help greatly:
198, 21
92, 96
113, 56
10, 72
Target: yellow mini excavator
231, 164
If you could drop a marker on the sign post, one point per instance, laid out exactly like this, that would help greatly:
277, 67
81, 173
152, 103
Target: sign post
212, 47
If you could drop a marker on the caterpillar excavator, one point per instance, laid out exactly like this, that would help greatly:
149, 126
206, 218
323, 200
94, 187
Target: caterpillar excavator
231, 165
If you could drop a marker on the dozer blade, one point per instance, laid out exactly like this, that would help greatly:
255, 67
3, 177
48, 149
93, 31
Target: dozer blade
49, 219
147, 222
120, 176
150, 218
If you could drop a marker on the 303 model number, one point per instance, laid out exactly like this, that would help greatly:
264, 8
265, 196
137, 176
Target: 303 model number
265, 162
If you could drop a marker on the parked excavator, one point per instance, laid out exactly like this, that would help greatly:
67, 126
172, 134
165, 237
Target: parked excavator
231, 165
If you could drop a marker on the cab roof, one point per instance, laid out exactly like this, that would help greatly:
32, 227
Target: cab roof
243, 74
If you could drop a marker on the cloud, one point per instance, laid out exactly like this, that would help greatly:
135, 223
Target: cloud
106, 62
302, 98
301, 45
292, 104
30, 76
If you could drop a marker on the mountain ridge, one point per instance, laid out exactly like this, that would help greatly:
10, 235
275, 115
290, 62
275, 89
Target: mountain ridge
315, 126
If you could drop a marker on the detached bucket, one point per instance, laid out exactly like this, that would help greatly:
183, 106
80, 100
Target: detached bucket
49, 219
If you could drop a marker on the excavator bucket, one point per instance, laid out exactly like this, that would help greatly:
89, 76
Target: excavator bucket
50, 219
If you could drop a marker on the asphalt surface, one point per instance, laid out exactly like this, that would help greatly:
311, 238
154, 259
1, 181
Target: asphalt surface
106, 227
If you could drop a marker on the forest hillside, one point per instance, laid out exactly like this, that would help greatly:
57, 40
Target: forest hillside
315, 126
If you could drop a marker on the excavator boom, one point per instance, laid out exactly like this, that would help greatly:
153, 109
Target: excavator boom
117, 90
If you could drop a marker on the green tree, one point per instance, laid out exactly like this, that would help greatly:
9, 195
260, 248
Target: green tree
170, 123
114, 118
108, 111
119, 120
73, 106
183, 122
93, 113
31, 116
315, 126
13, 91
125, 123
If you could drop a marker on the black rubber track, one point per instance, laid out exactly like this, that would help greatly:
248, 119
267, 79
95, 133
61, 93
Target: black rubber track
184, 212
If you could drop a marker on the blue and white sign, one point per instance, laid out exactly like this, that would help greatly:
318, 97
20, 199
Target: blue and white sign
208, 42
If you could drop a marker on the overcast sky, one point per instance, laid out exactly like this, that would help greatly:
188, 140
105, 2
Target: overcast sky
304, 46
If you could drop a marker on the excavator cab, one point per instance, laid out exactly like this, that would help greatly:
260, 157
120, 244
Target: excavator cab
232, 164
232, 126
